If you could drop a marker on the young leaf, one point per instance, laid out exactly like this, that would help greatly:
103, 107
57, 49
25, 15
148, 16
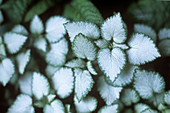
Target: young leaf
108, 92
147, 30
90, 68
55, 29
129, 96
84, 48
164, 33
126, 75
102, 43
55, 107
86, 105
121, 46
88, 29
76, 63
36, 25
7, 69
167, 97
41, 44
83, 83
83, 10
57, 55
40, 86
22, 60
157, 99
63, 82
113, 28
23, 104
51, 97
164, 47
147, 83
50, 70
109, 109
14, 41
140, 107
142, 49
25, 83
111, 62
19, 29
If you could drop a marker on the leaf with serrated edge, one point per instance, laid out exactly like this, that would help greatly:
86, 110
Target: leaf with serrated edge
51, 97
84, 48
7, 69
55, 107
2, 50
22, 60
57, 55
14, 41
41, 44
83, 83
142, 49
149, 110
129, 96
25, 83
22, 104
140, 107
86, 105
88, 29
147, 83
147, 30
164, 47
40, 86
63, 82
36, 25
90, 68
20, 29
111, 62
112, 28
164, 34
76, 63
109, 109
167, 97
126, 75
107, 92
55, 29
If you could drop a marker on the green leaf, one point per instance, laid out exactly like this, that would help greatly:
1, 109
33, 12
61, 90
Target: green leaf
83, 10
164, 47
36, 25
15, 9
83, 83
83, 47
140, 107
39, 8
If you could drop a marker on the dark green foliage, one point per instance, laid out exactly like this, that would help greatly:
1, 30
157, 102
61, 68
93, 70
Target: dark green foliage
83, 10
151, 12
